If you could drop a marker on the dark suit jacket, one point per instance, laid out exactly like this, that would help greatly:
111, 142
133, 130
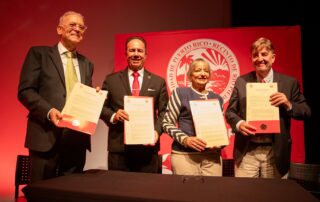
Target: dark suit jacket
42, 87
117, 85
236, 111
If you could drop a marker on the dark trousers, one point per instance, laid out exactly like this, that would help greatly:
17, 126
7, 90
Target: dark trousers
67, 156
137, 161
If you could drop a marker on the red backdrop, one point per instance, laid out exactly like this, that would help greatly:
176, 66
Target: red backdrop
30, 23
169, 53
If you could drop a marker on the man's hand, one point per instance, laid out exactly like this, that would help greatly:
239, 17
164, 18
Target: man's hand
121, 115
280, 99
156, 138
247, 129
55, 116
98, 89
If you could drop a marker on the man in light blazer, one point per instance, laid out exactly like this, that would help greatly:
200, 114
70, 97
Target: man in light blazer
42, 91
264, 155
135, 158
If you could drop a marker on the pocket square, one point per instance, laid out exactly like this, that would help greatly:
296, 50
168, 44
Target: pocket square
151, 89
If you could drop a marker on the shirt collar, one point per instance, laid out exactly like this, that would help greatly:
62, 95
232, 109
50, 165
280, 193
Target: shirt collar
268, 78
62, 50
141, 71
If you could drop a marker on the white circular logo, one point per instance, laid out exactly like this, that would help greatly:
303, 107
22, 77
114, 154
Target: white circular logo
75, 122
223, 64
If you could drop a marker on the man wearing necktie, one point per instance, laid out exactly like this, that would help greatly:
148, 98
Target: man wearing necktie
264, 155
134, 80
47, 77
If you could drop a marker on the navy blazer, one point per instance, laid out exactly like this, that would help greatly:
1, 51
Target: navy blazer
117, 85
42, 87
236, 111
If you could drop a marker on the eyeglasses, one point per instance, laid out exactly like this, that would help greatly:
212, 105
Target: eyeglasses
74, 26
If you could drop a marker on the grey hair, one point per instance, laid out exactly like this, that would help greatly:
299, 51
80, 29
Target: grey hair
69, 13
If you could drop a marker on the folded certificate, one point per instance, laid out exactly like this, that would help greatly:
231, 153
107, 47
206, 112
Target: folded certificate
83, 108
140, 127
260, 112
209, 122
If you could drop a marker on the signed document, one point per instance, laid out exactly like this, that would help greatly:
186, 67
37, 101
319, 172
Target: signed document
83, 108
140, 127
209, 122
260, 112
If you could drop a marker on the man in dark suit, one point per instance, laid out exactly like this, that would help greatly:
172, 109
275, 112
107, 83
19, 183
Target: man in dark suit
42, 90
264, 155
136, 158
